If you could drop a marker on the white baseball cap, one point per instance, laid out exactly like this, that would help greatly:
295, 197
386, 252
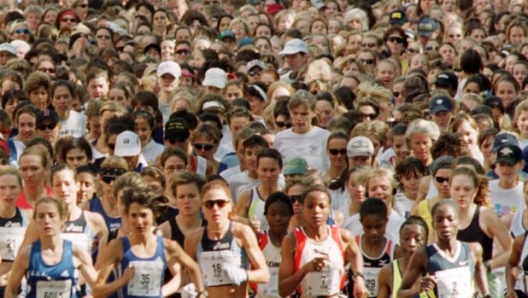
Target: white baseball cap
294, 46
169, 67
360, 146
215, 77
127, 144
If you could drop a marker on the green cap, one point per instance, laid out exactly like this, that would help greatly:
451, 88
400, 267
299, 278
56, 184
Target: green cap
295, 166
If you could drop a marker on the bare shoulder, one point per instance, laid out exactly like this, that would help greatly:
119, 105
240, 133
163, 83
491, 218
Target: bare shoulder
241, 230
94, 217
346, 236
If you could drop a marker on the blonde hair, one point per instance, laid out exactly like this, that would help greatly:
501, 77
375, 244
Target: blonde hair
318, 70
522, 107
378, 93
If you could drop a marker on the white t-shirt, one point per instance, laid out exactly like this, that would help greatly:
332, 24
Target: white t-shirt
152, 151
341, 201
241, 182
403, 205
230, 172
311, 146
386, 156
74, 126
506, 201
393, 226
523, 143
226, 144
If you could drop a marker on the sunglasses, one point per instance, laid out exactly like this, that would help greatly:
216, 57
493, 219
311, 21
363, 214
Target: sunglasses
211, 203
105, 37
367, 61
337, 151
369, 45
396, 94
108, 179
296, 198
441, 179
83, 5
253, 73
412, 51
111, 146
177, 140
370, 116
431, 48
206, 147
281, 124
48, 70
180, 52
68, 20
50, 126
21, 31
395, 39
454, 35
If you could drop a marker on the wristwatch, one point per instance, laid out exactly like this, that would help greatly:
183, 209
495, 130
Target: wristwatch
358, 274
203, 294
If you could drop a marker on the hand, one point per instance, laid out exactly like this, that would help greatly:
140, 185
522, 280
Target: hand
317, 264
511, 294
129, 274
236, 274
255, 224
360, 291
427, 283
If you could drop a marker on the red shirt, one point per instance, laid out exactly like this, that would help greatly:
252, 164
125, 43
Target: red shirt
22, 201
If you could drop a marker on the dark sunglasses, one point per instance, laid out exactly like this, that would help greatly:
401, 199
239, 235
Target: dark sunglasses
441, 179
253, 73
396, 94
395, 39
104, 37
83, 5
206, 147
296, 198
182, 52
371, 116
337, 151
21, 31
50, 126
111, 146
211, 203
282, 124
412, 51
177, 140
367, 61
431, 48
369, 45
108, 179
68, 20
49, 70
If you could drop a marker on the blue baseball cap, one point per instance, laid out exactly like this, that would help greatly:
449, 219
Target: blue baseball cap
440, 103
504, 139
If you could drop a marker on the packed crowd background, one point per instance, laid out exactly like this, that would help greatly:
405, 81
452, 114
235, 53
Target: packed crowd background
224, 148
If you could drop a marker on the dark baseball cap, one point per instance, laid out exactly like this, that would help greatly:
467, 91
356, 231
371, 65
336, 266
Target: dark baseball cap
510, 154
440, 103
504, 139
494, 102
177, 128
226, 34
398, 17
47, 114
447, 79
427, 26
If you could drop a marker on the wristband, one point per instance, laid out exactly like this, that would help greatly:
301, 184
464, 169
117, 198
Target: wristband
358, 274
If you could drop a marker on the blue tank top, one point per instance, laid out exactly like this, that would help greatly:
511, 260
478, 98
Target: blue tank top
211, 254
58, 280
112, 223
149, 272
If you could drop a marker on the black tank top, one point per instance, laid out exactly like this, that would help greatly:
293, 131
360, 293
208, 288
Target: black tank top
76, 226
13, 222
474, 233
176, 233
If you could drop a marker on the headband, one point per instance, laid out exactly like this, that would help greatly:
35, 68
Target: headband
111, 172
68, 13
261, 92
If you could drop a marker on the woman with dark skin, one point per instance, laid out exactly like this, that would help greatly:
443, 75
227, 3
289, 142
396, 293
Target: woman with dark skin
445, 277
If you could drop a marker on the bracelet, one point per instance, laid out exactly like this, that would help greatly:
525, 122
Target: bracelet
203, 293
358, 274
488, 266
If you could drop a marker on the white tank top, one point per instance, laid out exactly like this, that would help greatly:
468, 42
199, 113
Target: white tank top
432, 192
516, 227
201, 166
273, 257
256, 209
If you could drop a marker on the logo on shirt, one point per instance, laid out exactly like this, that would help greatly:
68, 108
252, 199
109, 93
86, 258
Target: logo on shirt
220, 246
74, 228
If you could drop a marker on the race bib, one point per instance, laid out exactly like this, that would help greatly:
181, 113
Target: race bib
10, 240
80, 239
271, 289
54, 288
371, 280
454, 283
211, 266
147, 280
323, 283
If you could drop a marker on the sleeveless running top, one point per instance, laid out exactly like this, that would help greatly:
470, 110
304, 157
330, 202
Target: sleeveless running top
473, 233
79, 232
256, 209
516, 227
454, 275
372, 266
432, 192
273, 257
211, 254
331, 279
176, 233
148, 272
12, 232
397, 279
59, 280
112, 223
425, 213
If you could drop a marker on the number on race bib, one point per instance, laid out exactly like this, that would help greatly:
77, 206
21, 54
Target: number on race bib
371, 285
217, 269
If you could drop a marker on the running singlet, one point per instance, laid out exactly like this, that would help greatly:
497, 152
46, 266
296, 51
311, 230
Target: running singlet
454, 275
148, 272
44, 280
332, 278
211, 254
112, 223
474, 233
256, 209
79, 232
272, 254
12, 232
372, 266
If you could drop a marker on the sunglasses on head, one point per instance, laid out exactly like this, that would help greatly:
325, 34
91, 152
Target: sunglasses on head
412, 51
211, 203
21, 31
295, 198
334, 151
441, 179
50, 126
395, 39
281, 124
367, 61
108, 179
206, 147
